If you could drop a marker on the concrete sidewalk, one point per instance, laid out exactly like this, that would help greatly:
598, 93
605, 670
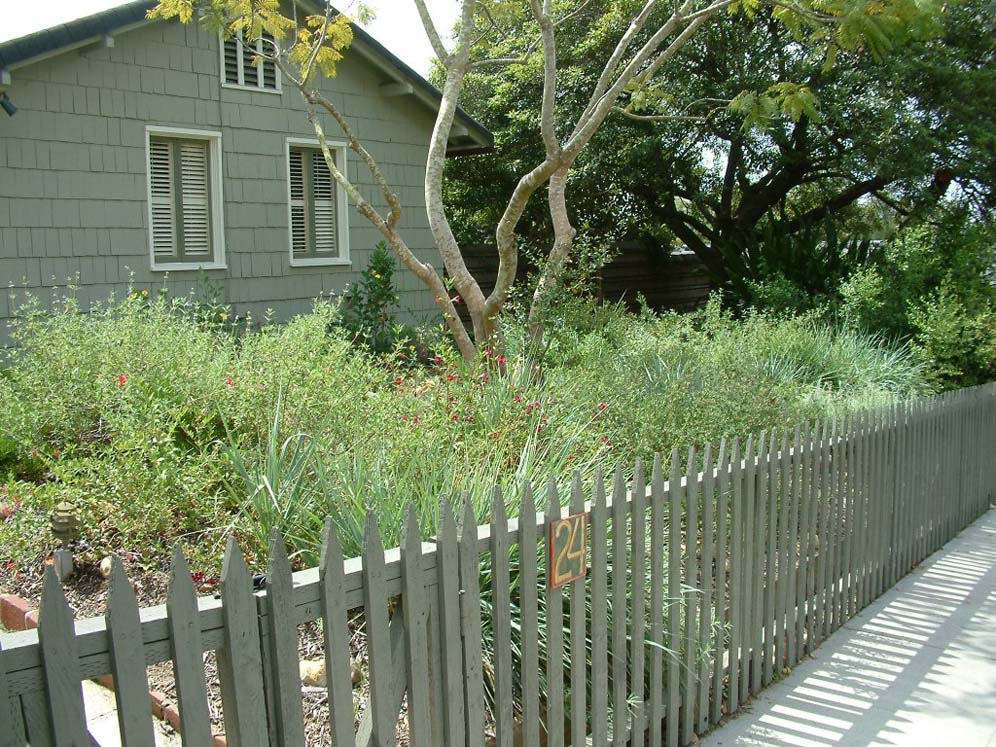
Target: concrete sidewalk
917, 668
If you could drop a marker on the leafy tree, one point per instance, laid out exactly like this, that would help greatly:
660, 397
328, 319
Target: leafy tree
626, 45
750, 137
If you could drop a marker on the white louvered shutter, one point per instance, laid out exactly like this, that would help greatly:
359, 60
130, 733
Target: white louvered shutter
162, 199
232, 51
298, 211
195, 197
323, 187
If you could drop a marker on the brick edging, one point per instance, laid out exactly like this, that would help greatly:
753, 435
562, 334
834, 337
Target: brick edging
16, 614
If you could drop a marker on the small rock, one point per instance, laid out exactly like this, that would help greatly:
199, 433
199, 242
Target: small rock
313, 672
105, 567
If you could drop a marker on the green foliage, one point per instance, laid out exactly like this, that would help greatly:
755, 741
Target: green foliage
368, 307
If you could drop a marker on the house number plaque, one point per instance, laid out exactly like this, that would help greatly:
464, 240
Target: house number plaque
568, 545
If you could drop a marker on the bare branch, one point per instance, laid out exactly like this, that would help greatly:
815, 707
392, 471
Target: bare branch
430, 30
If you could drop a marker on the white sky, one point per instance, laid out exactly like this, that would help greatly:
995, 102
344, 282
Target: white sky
397, 25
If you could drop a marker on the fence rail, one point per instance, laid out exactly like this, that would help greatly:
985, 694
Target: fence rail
701, 586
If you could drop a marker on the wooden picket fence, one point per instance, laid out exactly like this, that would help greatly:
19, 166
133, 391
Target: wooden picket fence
699, 591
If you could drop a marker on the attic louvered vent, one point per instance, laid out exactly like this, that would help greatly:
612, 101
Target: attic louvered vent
182, 213
244, 67
315, 228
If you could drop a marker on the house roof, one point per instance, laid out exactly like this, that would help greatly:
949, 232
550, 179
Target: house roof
469, 135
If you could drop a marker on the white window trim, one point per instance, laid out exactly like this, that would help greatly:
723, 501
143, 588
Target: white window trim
239, 86
340, 148
217, 198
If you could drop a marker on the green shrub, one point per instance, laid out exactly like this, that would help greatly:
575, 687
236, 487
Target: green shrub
367, 310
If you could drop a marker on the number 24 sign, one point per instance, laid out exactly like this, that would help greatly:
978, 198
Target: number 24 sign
568, 545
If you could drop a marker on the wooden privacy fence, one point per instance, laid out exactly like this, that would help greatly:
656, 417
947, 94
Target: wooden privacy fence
697, 592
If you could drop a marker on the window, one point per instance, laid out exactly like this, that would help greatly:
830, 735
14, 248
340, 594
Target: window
185, 201
317, 206
243, 68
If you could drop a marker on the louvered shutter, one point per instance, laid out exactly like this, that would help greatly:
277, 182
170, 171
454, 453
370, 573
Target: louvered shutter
298, 211
323, 189
250, 73
195, 197
232, 52
162, 199
269, 68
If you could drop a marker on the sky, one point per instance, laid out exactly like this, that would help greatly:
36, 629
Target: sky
397, 25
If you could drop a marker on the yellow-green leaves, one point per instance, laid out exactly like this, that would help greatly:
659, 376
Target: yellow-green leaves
317, 45
791, 100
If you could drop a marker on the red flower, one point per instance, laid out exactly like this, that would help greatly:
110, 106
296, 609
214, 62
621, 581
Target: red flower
602, 405
229, 381
485, 378
437, 359
456, 299
404, 418
197, 577
494, 435
55, 453
487, 352
501, 360
122, 379
456, 417
450, 377
398, 380
518, 398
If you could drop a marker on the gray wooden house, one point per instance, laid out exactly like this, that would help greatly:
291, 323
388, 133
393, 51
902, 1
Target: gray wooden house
152, 153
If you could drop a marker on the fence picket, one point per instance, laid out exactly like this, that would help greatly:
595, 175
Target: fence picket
783, 499
708, 588
796, 566
37, 721
415, 616
60, 656
528, 604
379, 659
638, 562
690, 629
554, 631
338, 665
599, 615
821, 483
675, 495
772, 587
809, 549
451, 654
12, 735
470, 617
657, 508
283, 640
620, 707
579, 634
186, 649
720, 639
240, 669
501, 621
749, 477
131, 684
736, 570
764, 578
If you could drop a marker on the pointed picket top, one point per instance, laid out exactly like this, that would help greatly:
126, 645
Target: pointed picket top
234, 570
498, 512
675, 468
60, 656
552, 498
618, 486
120, 594
692, 469
411, 533
468, 520
278, 562
180, 579
749, 451
447, 520
527, 511
371, 535
657, 479
331, 551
